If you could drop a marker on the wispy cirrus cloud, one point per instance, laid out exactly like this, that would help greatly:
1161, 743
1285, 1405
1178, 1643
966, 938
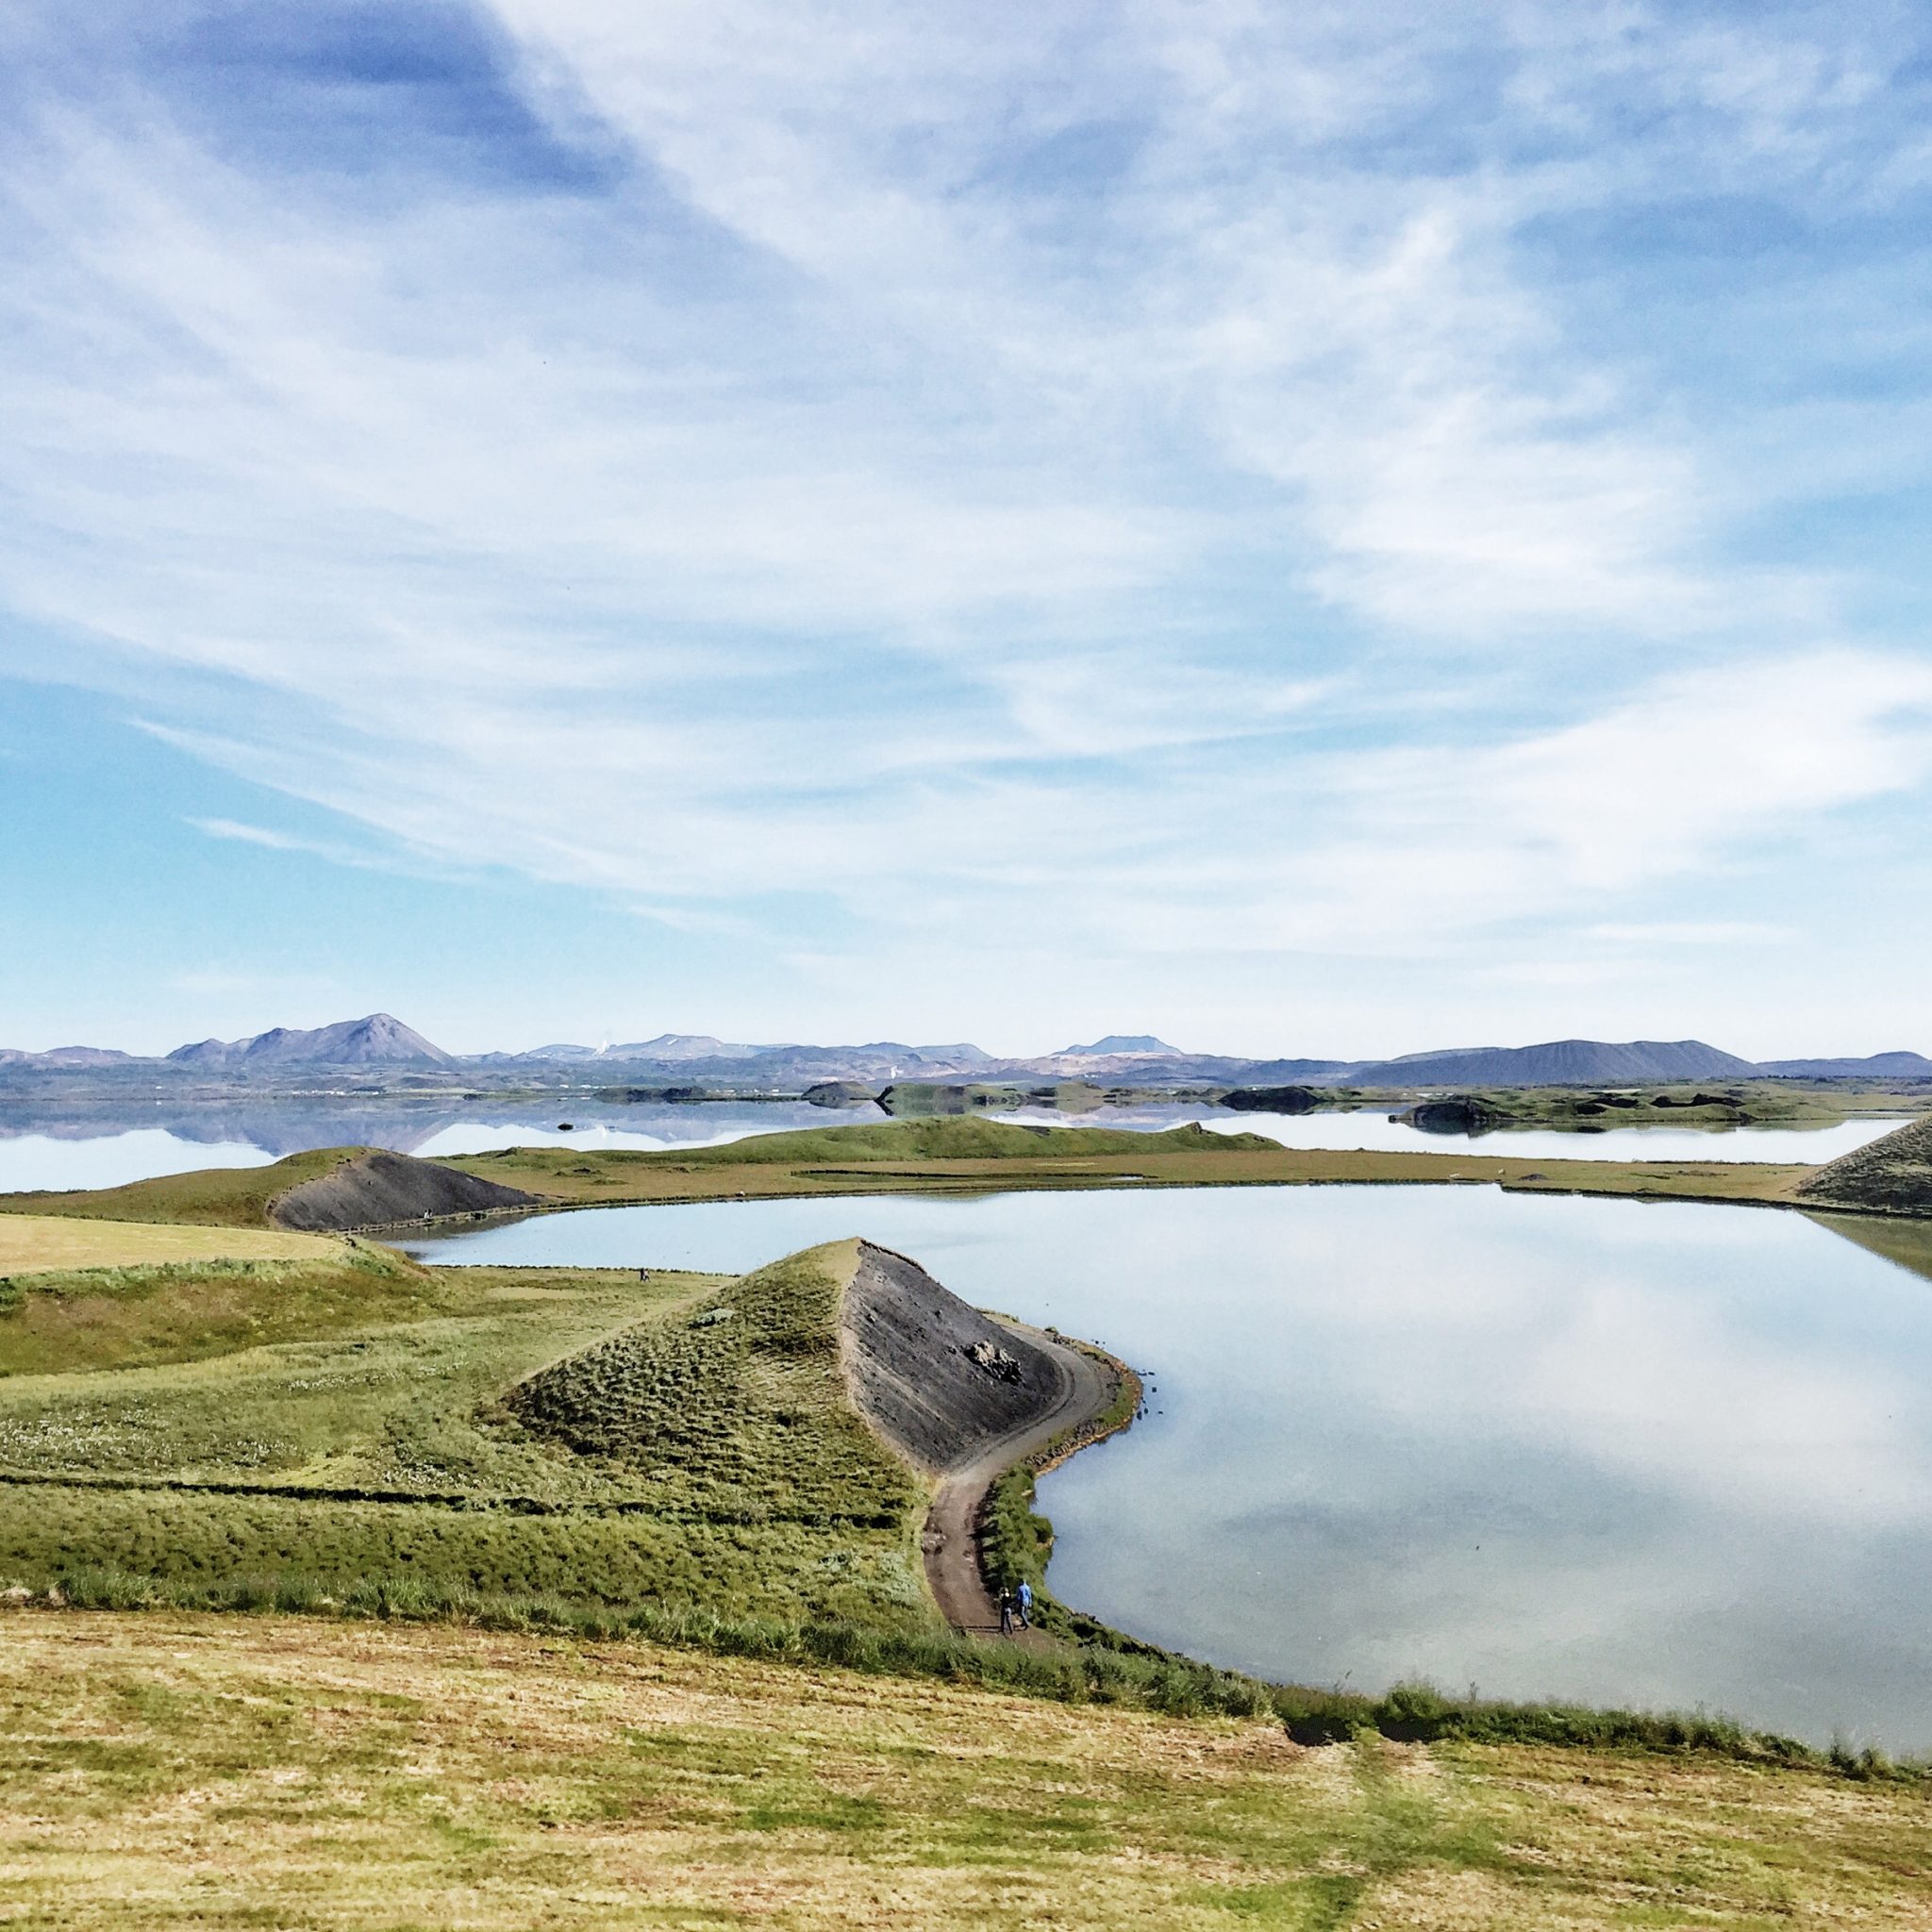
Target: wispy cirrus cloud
1207, 471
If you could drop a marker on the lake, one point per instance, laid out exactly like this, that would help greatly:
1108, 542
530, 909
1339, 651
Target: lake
101, 1148
104, 1147
1665, 1455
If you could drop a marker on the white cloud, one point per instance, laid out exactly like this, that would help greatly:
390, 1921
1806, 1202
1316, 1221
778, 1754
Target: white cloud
972, 469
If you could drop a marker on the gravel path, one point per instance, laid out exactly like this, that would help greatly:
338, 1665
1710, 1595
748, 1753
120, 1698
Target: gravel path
952, 1545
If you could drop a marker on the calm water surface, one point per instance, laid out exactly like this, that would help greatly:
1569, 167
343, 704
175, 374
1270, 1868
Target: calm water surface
1665, 1455
104, 1149
1365, 1128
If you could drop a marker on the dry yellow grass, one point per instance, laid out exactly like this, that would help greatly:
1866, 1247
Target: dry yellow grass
51, 1243
166, 1770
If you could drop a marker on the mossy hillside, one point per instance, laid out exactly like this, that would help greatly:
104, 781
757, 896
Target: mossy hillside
958, 1137
1708, 1105
740, 1407
381, 1458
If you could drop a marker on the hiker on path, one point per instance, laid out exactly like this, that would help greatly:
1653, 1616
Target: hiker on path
1024, 1596
1007, 1608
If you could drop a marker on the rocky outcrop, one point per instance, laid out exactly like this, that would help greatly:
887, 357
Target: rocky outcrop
1272, 1100
839, 1093
1460, 1114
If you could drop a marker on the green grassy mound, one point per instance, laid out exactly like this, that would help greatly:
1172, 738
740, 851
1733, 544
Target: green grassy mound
946, 1138
293, 1434
738, 1406
213, 1197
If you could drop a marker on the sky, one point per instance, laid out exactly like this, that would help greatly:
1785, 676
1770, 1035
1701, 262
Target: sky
1301, 529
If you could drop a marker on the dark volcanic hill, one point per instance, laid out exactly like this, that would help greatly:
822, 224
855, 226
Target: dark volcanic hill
378, 1041
1558, 1063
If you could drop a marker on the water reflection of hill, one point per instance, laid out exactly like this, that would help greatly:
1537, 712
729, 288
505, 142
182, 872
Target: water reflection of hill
1907, 1243
402, 1124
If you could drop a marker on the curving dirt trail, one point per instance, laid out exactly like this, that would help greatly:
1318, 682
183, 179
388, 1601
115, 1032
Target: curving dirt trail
962, 1395
951, 1541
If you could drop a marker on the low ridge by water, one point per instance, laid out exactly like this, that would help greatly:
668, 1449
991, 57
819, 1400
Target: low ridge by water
51, 1149
1661, 1455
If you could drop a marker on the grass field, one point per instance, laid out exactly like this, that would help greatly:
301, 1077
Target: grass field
971, 1156
328, 1432
58, 1243
176, 1770
950, 1157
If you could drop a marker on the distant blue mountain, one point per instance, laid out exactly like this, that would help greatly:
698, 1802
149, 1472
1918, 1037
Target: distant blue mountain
1557, 1063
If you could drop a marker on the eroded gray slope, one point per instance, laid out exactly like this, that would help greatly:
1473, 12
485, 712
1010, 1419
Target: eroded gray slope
933, 1376
378, 1188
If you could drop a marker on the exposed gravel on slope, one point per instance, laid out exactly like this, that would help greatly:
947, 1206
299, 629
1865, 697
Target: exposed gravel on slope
917, 1362
378, 1190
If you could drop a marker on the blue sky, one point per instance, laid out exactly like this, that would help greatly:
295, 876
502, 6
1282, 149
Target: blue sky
1301, 529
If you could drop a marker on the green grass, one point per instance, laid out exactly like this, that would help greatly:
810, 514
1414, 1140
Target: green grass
741, 1415
574, 1433
67, 1322
60, 1243
970, 1154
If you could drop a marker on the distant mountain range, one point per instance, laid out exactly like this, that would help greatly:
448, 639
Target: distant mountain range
65, 1056
380, 1042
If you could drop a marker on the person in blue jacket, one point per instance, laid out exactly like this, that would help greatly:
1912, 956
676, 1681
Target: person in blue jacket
1024, 1594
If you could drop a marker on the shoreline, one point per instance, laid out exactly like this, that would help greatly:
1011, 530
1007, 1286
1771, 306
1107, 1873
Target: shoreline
954, 1537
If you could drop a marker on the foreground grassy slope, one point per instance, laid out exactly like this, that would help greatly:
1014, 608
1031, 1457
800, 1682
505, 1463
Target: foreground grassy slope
375, 1456
174, 1770
739, 1412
